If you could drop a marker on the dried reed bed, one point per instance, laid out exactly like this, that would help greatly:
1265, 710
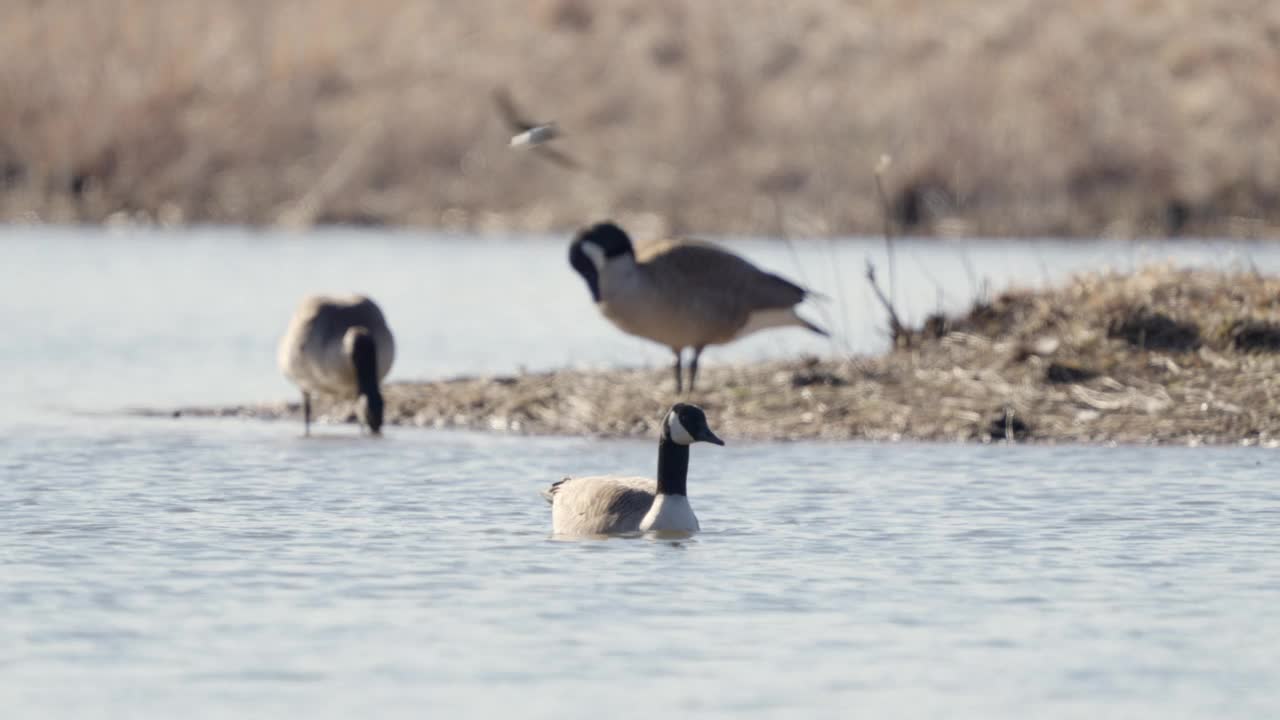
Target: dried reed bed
1004, 117
1160, 356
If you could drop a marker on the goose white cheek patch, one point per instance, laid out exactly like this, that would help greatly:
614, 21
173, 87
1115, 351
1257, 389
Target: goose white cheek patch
678, 434
594, 253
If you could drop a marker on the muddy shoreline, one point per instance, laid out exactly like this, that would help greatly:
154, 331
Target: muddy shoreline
1162, 356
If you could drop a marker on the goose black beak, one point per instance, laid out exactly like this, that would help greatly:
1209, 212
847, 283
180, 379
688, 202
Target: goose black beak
705, 435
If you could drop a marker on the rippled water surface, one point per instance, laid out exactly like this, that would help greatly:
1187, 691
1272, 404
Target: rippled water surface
194, 568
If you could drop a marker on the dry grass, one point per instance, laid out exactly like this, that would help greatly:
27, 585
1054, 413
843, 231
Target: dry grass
1047, 367
1004, 117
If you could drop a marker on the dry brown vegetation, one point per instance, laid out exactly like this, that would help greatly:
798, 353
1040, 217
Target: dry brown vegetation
1004, 117
1160, 356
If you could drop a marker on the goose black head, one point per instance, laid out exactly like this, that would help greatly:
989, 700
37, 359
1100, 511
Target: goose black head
687, 424
369, 409
592, 247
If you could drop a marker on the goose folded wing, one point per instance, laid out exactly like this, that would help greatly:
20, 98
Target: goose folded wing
720, 277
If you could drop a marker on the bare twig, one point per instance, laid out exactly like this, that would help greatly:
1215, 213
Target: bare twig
977, 290
881, 168
896, 331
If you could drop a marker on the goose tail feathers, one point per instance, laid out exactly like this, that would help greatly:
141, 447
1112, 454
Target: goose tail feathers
812, 327
549, 493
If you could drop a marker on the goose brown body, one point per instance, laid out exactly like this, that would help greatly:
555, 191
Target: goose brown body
599, 505
685, 293
682, 293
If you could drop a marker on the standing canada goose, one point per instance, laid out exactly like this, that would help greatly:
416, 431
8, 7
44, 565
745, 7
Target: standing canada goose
607, 504
682, 293
532, 135
339, 346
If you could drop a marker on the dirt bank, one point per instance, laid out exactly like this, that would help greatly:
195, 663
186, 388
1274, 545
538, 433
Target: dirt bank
1007, 117
1161, 356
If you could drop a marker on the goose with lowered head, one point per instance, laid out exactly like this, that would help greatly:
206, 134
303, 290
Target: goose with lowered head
339, 346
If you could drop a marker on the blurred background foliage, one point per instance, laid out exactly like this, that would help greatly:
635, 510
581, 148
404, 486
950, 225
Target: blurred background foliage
1004, 117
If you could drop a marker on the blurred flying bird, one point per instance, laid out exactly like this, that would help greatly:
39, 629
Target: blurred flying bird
533, 135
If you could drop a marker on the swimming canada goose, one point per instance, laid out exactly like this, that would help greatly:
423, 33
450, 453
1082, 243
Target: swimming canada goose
532, 135
607, 504
339, 346
682, 293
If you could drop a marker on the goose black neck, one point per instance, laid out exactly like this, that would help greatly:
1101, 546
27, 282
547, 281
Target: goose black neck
587, 269
364, 356
673, 467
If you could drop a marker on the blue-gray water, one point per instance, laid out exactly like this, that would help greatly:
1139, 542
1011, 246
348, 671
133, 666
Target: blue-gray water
230, 569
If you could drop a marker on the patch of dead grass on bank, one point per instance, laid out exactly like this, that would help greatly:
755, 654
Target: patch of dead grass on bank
1045, 366
1010, 117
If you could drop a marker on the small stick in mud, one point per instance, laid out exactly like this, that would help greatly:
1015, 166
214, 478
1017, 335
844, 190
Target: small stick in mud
881, 168
897, 331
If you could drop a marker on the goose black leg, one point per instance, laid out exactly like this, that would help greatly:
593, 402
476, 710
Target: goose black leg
693, 366
679, 381
306, 413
